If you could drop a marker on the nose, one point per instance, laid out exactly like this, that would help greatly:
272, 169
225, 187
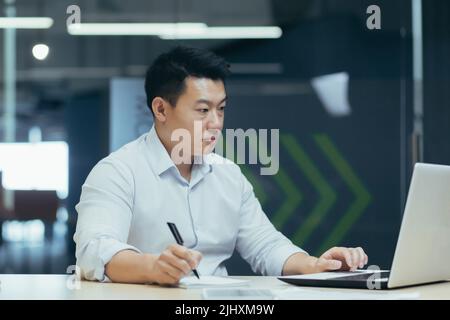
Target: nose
215, 120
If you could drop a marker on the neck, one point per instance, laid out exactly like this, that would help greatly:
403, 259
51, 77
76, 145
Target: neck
185, 169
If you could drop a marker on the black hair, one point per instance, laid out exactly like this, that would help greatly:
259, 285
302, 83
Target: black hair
165, 77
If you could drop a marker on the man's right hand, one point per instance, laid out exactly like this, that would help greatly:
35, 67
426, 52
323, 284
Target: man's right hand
174, 263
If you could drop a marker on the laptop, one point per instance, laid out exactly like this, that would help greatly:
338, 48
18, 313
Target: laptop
422, 254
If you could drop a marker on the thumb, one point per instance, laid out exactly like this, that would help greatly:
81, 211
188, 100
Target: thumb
326, 265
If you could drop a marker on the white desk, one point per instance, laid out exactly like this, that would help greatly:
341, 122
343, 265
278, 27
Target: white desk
30, 287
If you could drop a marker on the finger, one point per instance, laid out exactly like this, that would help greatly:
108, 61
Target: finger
367, 259
328, 254
166, 278
180, 264
185, 254
325, 264
339, 253
355, 259
362, 257
174, 261
347, 256
179, 251
175, 273
197, 256
193, 258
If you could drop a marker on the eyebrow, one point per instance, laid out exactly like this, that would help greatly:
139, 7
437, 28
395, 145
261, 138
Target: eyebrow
208, 102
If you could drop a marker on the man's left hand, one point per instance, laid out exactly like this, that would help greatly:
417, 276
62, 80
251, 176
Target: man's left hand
340, 258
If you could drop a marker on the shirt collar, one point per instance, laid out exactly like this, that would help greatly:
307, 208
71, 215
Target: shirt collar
160, 158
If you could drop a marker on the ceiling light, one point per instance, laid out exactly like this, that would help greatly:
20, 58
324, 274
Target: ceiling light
40, 51
170, 31
25, 22
235, 32
130, 29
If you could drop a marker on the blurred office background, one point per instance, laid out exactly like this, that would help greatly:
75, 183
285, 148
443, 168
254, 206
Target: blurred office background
356, 108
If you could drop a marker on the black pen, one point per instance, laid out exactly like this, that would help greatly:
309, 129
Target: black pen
179, 240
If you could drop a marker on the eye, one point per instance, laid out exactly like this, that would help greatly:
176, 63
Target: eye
203, 110
222, 108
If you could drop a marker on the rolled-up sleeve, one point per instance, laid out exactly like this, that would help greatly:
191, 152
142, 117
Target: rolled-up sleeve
258, 242
104, 217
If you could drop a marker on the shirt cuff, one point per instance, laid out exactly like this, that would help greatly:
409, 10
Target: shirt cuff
109, 248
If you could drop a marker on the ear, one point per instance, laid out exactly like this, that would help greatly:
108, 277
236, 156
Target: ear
159, 107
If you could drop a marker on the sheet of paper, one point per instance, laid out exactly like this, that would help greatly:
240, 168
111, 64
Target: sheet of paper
210, 281
329, 275
316, 294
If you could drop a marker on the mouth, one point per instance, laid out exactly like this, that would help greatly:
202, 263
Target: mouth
210, 140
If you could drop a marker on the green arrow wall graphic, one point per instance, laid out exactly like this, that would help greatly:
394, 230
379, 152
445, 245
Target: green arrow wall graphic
246, 171
293, 195
362, 196
257, 186
327, 196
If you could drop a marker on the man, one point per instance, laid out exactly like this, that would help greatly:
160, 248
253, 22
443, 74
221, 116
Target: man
128, 198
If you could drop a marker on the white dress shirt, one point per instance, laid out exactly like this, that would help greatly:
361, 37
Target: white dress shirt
129, 197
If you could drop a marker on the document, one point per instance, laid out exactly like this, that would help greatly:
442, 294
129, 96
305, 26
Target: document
210, 281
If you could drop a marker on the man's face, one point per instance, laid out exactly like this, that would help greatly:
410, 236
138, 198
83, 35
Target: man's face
201, 104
